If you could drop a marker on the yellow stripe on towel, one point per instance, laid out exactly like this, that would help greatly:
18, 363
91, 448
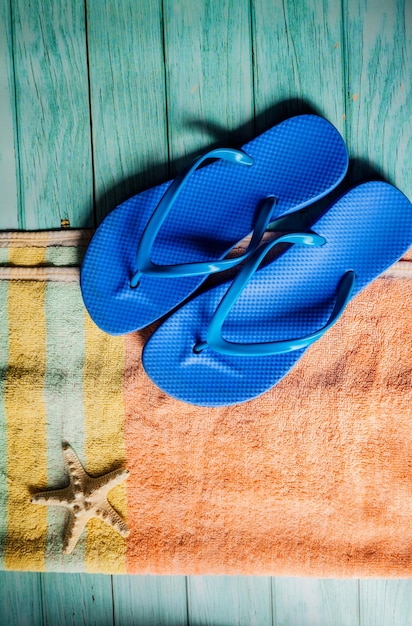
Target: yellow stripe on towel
105, 446
30, 255
26, 425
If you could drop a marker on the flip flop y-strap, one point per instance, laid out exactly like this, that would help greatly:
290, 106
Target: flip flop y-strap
214, 338
143, 262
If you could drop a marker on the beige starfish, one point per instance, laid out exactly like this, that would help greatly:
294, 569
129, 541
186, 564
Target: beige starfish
85, 497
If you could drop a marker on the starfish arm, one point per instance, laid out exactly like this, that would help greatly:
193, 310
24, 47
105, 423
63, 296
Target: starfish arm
76, 470
58, 497
104, 484
109, 515
74, 530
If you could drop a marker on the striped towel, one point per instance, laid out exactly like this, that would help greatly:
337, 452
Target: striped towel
312, 479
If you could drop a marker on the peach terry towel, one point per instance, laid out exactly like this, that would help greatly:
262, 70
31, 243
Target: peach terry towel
314, 478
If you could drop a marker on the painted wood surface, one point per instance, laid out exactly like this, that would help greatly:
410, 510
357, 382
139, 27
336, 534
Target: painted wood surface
150, 600
379, 66
21, 602
298, 51
224, 600
99, 100
208, 75
313, 602
385, 602
128, 99
52, 107
77, 600
8, 142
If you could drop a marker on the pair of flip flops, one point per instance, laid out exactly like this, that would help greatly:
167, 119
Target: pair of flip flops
232, 342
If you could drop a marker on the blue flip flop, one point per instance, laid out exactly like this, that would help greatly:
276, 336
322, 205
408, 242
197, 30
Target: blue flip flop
235, 341
143, 261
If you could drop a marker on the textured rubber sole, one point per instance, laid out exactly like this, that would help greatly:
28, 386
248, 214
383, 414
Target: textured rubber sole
366, 230
298, 161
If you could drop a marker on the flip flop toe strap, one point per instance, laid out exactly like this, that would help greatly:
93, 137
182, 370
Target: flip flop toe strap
143, 261
214, 338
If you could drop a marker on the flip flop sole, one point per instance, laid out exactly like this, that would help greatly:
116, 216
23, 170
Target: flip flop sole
366, 231
298, 161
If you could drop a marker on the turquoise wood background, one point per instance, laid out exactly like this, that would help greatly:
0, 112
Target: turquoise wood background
100, 99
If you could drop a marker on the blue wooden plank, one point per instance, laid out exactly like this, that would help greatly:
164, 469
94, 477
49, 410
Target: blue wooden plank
386, 602
315, 602
229, 600
128, 100
379, 49
8, 163
52, 113
21, 599
150, 600
77, 599
298, 51
208, 75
